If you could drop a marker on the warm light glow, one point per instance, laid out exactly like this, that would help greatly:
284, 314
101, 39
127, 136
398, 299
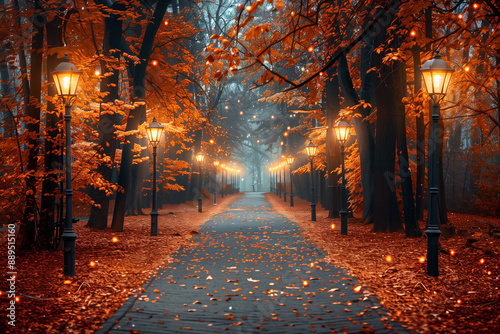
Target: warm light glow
258, 141
272, 116
239, 101
211, 141
66, 77
320, 74
249, 8
489, 272
115, 239
305, 283
166, 22
459, 301
388, 258
357, 288
466, 68
332, 226
17, 299
413, 33
311, 149
254, 117
154, 132
154, 62
97, 73
226, 107
92, 263
421, 259
282, 143
342, 131
293, 13
460, 16
311, 264
241, 112
216, 163
310, 49
475, 6
67, 281
452, 252
199, 157
285, 134
436, 75
288, 127
290, 160
481, 261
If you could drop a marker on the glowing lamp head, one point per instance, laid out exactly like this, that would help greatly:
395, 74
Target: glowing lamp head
154, 132
311, 149
199, 157
66, 78
342, 131
436, 74
216, 163
290, 160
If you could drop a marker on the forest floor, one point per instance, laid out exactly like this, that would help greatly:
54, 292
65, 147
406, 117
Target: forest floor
108, 271
463, 299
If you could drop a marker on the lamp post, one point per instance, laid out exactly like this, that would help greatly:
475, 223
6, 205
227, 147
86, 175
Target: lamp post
216, 164
311, 152
270, 179
436, 75
199, 157
283, 164
66, 77
154, 132
343, 132
290, 161
222, 168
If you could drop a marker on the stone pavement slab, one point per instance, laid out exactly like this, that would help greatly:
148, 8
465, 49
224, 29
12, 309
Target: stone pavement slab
250, 271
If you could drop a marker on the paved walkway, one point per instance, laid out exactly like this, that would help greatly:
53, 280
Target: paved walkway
251, 272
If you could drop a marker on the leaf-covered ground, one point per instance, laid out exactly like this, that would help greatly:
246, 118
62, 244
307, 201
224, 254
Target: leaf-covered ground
464, 298
107, 272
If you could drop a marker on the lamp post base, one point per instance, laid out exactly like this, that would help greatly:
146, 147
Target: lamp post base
69, 237
199, 205
215, 198
343, 222
313, 212
154, 223
291, 200
433, 234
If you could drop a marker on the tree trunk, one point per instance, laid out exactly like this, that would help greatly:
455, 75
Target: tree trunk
412, 229
333, 159
107, 119
136, 114
419, 204
386, 217
32, 120
53, 157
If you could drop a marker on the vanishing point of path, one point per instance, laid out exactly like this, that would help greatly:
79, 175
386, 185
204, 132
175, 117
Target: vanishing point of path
250, 271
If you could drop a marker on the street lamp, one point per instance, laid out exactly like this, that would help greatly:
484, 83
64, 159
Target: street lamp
66, 78
343, 131
290, 161
216, 164
154, 132
436, 75
311, 152
199, 157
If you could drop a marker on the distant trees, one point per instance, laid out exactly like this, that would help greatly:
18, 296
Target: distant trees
369, 49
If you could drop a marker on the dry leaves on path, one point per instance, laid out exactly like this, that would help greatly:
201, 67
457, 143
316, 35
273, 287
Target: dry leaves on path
464, 298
